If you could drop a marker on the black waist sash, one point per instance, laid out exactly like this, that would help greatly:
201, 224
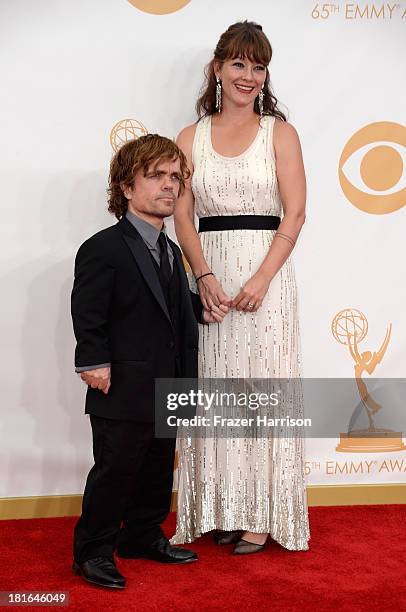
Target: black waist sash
236, 222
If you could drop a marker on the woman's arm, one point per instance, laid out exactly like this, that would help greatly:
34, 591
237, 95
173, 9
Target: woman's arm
292, 189
211, 292
184, 211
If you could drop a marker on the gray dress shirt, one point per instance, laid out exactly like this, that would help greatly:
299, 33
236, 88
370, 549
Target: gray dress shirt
150, 236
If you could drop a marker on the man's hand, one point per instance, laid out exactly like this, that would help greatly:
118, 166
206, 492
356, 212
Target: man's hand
216, 314
98, 379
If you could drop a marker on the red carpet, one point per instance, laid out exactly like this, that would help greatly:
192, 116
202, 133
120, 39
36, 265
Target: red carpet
356, 562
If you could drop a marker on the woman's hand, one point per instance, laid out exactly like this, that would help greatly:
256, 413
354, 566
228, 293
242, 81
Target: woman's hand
252, 293
216, 315
211, 293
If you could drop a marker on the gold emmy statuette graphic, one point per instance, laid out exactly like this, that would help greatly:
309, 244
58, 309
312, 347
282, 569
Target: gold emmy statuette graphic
349, 327
125, 130
381, 168
159, 7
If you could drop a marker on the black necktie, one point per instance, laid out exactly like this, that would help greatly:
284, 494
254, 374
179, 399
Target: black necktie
164, 265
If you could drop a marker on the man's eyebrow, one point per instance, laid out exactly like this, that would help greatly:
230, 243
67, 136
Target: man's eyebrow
157, 171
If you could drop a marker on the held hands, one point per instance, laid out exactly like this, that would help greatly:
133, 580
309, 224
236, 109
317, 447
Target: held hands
217, 304
216, 314
98, 379
211, 292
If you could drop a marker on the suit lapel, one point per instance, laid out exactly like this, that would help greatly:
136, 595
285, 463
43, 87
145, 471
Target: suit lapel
143, 260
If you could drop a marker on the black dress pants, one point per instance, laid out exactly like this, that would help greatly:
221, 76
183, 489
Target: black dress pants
128, 490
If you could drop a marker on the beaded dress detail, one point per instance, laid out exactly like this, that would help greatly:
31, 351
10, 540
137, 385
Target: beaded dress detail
256, 483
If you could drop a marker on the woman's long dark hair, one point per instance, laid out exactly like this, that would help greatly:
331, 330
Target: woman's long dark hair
245, 40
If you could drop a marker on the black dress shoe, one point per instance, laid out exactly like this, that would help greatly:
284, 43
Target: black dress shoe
243, 547
101, 571
226, 537
160, 550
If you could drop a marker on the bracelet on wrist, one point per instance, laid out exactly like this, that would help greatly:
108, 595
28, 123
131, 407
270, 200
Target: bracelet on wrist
285, 237
203, 275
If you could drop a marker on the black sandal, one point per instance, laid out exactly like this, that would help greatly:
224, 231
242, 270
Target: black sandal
243, 547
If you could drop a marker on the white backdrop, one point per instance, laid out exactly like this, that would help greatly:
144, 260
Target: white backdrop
69, 73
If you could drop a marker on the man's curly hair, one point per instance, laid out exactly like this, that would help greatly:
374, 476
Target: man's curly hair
136, 154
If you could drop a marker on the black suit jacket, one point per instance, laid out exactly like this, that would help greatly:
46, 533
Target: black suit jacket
120, 316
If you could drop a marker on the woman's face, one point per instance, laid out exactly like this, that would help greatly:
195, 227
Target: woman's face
241, 80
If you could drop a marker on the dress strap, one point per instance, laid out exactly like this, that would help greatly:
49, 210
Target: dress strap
269, 136
199, 141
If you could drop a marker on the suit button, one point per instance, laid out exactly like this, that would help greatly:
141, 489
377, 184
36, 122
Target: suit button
171, 344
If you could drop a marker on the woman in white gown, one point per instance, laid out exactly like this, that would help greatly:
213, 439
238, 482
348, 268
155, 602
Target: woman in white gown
247, 169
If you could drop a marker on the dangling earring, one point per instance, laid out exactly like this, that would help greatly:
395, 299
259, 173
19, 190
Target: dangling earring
261, 101
218, 95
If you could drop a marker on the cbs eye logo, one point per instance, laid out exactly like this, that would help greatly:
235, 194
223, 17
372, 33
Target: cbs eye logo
159, 7
379, 151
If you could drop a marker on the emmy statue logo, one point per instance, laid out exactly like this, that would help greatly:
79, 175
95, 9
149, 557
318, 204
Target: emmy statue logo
350, 327
125, 130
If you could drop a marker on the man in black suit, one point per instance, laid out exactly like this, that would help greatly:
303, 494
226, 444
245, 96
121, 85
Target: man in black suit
134, 320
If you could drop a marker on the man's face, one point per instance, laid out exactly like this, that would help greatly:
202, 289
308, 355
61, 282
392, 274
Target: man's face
153, 196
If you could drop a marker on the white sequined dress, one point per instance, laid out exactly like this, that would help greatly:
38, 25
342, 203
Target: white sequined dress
254, 484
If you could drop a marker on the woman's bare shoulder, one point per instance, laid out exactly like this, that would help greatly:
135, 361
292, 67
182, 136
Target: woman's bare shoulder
285, 135
186, 136
283, 130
